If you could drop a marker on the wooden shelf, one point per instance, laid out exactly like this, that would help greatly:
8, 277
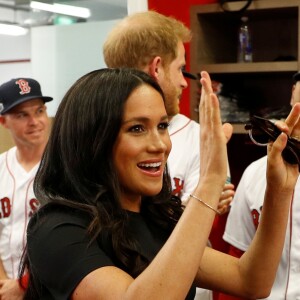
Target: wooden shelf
267, 81
251, 67
263, 85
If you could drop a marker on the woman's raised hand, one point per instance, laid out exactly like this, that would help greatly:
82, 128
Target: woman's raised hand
213, 135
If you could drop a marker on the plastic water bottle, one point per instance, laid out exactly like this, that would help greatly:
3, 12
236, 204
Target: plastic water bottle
244, 42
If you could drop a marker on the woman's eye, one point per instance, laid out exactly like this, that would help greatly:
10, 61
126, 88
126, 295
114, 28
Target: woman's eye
164, 125
136, 128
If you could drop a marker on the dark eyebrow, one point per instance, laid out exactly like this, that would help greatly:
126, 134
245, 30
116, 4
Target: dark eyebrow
145, 119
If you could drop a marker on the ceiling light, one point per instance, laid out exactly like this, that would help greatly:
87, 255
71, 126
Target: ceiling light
63, 9
11, 29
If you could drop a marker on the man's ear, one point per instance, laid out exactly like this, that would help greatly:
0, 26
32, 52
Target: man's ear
3, 121
155, 67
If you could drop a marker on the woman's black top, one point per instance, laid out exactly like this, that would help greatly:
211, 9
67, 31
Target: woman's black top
61, 253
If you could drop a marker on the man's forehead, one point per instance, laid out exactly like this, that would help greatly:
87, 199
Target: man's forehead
33, 103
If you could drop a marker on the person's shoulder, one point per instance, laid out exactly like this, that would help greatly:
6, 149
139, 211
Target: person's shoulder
51, 215
183, 120
258, 165
2, 156
9, 153
181, 123
256, 171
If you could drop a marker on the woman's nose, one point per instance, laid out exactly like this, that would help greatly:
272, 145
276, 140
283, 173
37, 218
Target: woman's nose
157, 143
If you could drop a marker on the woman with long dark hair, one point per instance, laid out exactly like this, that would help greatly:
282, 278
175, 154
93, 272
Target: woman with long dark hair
108, 227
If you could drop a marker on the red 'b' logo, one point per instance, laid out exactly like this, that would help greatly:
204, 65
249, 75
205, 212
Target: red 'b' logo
24, 86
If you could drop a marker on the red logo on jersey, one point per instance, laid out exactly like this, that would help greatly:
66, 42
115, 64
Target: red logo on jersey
24, 86
34, 204
179, 184
5, 207
256, 216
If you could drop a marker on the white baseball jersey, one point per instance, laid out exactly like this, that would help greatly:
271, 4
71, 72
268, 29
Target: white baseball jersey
184, 158
17, 203
244, 217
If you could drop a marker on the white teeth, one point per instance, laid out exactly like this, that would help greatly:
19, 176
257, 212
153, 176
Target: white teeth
152, 165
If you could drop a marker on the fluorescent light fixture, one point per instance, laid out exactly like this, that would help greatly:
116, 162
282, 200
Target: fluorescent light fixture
10, 29
63, 9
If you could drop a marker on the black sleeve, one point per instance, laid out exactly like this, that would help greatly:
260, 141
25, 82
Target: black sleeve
61, 256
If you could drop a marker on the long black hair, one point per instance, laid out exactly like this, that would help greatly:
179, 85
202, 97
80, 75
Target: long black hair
77, 171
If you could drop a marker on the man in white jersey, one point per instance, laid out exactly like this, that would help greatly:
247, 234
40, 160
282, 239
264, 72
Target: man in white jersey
23, 113
244, 217
154, 44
